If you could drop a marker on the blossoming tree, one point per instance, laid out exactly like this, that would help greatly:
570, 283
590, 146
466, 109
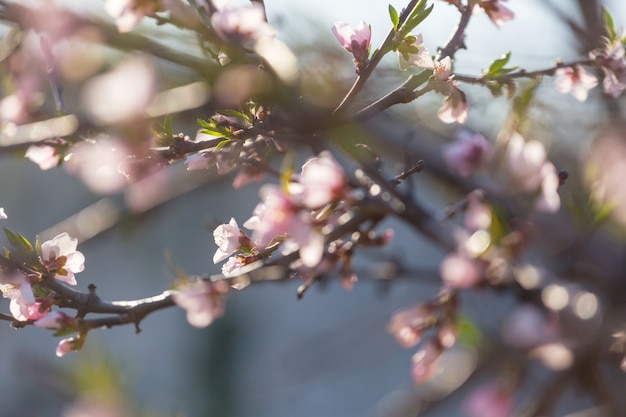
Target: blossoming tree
314, 219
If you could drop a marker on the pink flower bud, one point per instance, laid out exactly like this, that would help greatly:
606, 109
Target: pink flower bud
65, 346
408, 325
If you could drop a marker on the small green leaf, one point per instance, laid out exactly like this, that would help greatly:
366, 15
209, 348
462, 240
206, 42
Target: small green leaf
500, 62
469, 334
608, 24
205, 124
222, 144
393, 14
417, 17
213, 132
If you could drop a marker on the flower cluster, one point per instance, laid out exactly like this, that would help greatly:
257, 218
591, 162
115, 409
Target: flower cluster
57, 259
409, 325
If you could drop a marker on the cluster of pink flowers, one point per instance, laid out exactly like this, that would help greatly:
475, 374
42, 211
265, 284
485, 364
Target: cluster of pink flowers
409, 325
59, 256
411, 52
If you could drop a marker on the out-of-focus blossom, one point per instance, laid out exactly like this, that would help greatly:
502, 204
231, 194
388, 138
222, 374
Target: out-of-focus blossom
605, 170
469, 152
65, 346
411, 52
496, 11
354, 39
489, 401
98, 164
477, 214
613, 62
245, 177
407, 326
455, 108
45, 156
227, 240
527, 327
87, 407
203, 301
425, 363
245, 25
459, 270
322, 180
529, 170
3, 215
575, 80
18, 289
128, 14
54, 320
121, 95
60, 254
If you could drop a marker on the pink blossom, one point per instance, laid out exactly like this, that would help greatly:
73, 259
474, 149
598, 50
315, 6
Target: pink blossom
425, 363
203, 301
54, 320
128, 14
351, 39
3, 215
489, 401
442, 70
60, 254
18, 289
227, 240
322, 180
232, 267
469, 152
413, 53
454, 107
408, 325
244, 24
458, 270
43, 155
496, 11
277, 216
614, 68
575, 80
65, 346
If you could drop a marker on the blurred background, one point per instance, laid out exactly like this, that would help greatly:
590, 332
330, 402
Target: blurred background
272, 354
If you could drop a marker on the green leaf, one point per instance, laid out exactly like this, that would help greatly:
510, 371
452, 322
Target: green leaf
393, 14
205, 124
499, 63
212, 131
18, 241
523, 100
608, 24
222, 144
469, 334
233, 113
167, 125
417, 16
